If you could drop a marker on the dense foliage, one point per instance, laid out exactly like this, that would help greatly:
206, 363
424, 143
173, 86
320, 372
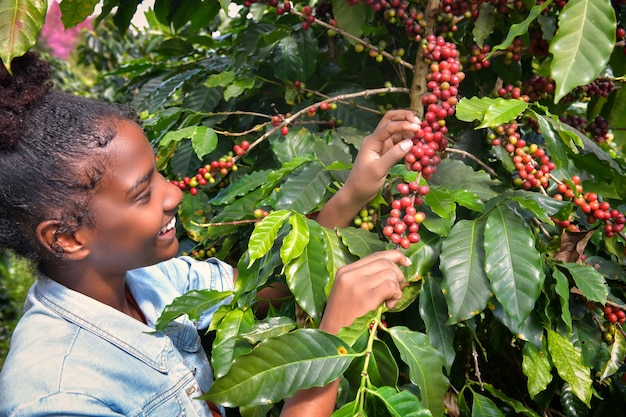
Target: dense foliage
514, 221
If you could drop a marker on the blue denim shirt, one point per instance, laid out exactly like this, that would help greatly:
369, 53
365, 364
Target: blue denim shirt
74, 356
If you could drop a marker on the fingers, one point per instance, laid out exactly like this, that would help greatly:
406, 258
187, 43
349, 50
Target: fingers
398, 115
397, 129
378, 261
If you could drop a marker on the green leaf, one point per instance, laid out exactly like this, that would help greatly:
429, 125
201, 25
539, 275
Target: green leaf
483, 26
360, 242
465, 285
268, 328
424, 255
226, 347
165, 89
307, 280
531, 330
238, 87
265, 233
517, 406
617, 351
512, 263
520, 29
337, 253
276, 176
432, 308
440, 202
304, 191
382, 368
192, 303
400, 403
263, 377
490, 112
243, 186
223, 79
295, 57
296, 240
75, 12
297, 144
454, 175
541, 206
425, 366
20, 24
537, 368
484, 407
568, 362
572, 405
563, 291
204, 141
348, 410
350, 17
589, 281
582, 45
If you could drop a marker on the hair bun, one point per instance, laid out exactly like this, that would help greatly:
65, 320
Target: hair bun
29, 82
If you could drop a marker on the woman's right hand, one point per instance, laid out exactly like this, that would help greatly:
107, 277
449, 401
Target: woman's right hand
363, 286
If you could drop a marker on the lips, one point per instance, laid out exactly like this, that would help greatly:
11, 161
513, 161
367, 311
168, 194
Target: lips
169, 226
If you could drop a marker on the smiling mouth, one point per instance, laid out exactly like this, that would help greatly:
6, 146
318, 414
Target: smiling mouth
169, 226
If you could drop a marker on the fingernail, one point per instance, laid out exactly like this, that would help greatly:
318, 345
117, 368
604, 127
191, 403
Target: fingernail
405, 145
408, 261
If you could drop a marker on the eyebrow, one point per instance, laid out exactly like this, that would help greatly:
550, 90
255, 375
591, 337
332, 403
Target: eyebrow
138, 184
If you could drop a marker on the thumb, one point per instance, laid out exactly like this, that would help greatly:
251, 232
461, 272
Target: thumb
395, 154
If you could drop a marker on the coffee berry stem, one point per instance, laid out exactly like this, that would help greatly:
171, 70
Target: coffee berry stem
358, 40
233, 223
365, 379
303, 112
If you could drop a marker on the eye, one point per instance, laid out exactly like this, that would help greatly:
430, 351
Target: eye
145, 197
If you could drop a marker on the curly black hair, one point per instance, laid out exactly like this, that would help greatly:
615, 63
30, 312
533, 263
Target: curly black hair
51, 147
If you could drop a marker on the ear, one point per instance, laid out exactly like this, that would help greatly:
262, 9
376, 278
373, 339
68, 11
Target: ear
66, 245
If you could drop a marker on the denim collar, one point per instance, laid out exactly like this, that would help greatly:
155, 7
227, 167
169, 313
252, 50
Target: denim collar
127, 333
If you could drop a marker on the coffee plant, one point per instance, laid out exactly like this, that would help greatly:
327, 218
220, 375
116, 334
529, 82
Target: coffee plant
510, 204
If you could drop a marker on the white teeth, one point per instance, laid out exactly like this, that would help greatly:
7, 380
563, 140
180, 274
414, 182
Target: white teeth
168, 226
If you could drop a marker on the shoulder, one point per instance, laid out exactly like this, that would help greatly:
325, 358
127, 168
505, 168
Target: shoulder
186, 273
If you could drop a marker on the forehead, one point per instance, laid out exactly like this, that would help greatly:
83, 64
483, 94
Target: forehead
130, 155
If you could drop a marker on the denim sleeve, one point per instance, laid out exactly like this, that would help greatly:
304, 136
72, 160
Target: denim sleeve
211, 274
64, 405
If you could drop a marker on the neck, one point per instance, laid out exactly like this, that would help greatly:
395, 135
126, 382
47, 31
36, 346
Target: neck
109, 290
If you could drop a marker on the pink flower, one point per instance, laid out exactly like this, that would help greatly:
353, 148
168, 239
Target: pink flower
60, 42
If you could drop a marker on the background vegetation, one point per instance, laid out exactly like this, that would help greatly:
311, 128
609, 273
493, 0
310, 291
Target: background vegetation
256, 109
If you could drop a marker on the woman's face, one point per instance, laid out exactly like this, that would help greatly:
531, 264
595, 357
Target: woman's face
134, 207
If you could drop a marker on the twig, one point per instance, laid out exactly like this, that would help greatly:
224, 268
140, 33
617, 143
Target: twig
356, 39
233, 223
541, 226
365, 93
475, 159
476, 365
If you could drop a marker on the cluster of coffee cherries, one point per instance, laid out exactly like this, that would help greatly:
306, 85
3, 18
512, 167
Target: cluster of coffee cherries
470, 8
532, 164
445, 75
203, 253
509, 91
598, 129
590, 205
209, 173
404, 220
613, 316
365, 218
478, 57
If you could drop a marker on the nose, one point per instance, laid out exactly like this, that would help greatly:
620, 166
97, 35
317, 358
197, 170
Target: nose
173, 196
